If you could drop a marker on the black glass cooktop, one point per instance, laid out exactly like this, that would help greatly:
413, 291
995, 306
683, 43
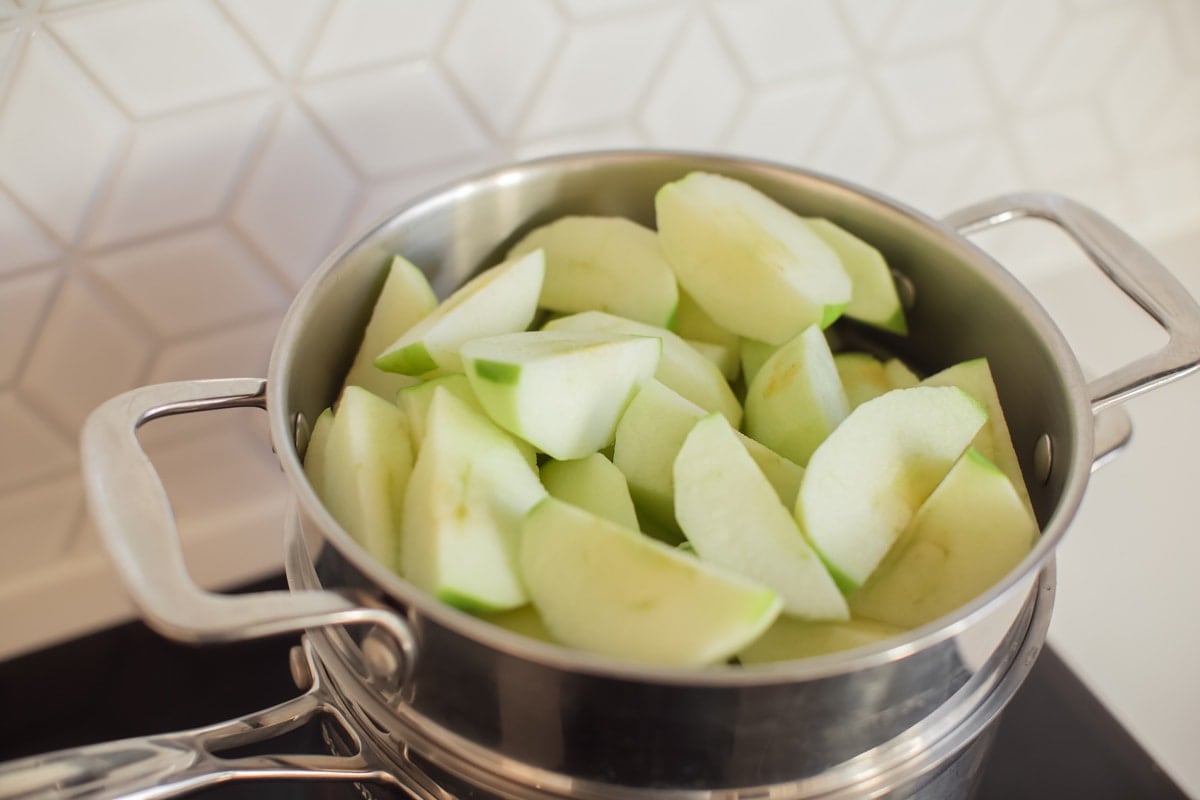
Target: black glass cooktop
1054, 741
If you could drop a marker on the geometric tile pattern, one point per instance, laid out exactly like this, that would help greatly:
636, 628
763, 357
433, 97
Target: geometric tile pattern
172, 170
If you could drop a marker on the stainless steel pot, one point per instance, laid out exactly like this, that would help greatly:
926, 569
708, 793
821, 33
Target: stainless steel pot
424, 697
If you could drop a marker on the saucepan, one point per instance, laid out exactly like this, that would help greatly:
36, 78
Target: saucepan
419, 697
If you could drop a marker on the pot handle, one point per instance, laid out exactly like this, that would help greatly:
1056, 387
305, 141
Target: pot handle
131, 510
1129, 266
171, 764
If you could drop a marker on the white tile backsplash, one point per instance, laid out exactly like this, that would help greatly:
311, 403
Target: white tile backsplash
172, 171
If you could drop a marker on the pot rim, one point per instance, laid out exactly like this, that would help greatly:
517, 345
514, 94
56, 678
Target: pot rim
282, 432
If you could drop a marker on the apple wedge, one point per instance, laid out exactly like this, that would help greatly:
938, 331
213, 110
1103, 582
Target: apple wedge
368, 461
502, 299
796, 399
470, 488
789, 639
753, 355
561, 391
604, 263
863, 377
594, 484
732, 516
681, 367
610, 590
314, 453
867, 479
692, 323
993, 440
727, 359
648, 439
874, 299
405, 299
970, 533
756, 268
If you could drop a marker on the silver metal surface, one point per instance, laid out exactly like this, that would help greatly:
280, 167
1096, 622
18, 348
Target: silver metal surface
581, 721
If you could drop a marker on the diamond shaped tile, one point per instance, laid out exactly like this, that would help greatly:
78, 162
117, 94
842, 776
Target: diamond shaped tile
282, 29
39, 524
496, 76
590, 9
926, 176
925, 23
239, 351
23, 300
87, 352
773, 126
180, 169
1082, 57
870, 20
996, 170
362, 32
601, 72
860, 141
1184, 22
190, 282
698, 66
601, 137
937, 93
24, 242
43, 159
1014, 40
396, 118
782, 38
1169, 190
1134, 96
1177, 124
32, 448
193, 54
1066, 142
294, 200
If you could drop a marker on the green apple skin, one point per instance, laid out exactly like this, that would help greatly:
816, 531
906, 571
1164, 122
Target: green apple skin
971, 532
993, 440
314, 454
405, 299
789, 639
603, 263
610, 590
874, 299
594, 484
796, 399
469, 491
502, 299
648, 439
681, 367
865, 482
561, 391
415, 401
756, 268
732, 516
368, 463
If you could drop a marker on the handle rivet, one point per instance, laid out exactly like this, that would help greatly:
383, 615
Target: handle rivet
1043, 458
906, 290
383, 659
301, 670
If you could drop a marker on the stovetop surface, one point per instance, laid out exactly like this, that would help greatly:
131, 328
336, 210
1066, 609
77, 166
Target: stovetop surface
1055, 740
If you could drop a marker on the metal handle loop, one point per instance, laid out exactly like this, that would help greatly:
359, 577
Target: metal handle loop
134, 517
1129, 266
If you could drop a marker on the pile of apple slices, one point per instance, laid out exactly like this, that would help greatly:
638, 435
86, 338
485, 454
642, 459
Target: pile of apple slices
640, 443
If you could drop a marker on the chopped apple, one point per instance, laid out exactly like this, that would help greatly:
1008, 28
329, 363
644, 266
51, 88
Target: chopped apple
970, 533
368, 461
993, 440
502, 299
873, 299
681, 367
692, 323
727, 359
405, 299
314, 454
594, 484
603, 263
789, 638
756, 268
648, 439
863, 377
732, 516
753, 355
562, 391
899, 374
470, 488
523, 621
415, 401
610, 590
867, 479
796, 399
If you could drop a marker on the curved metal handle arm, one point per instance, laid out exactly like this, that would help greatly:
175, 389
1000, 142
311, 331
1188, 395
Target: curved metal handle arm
1129, 266
132, 512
